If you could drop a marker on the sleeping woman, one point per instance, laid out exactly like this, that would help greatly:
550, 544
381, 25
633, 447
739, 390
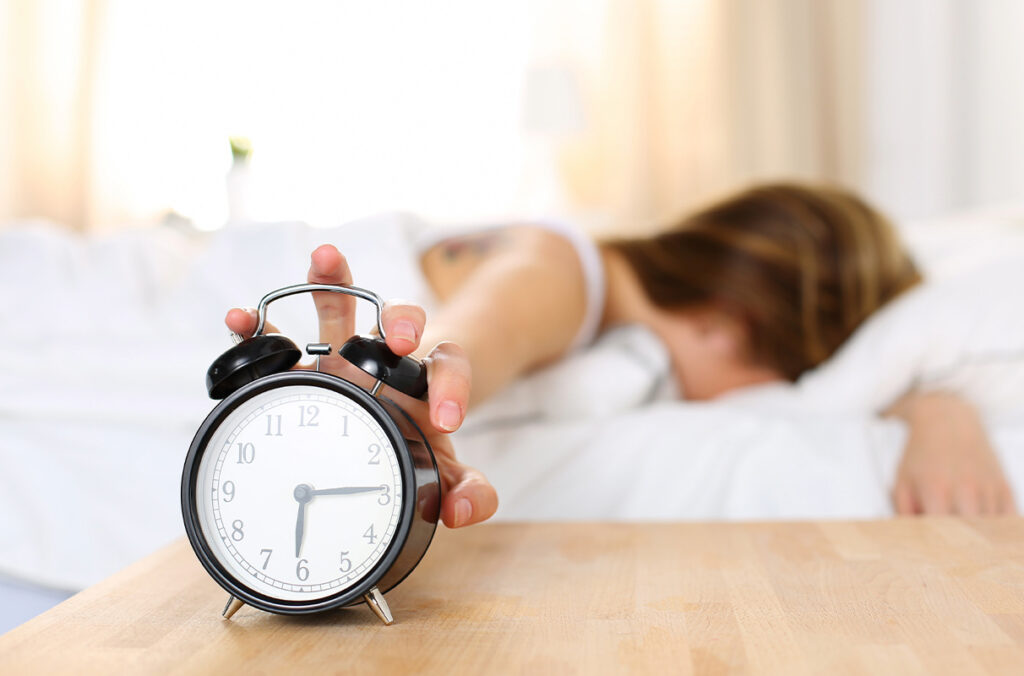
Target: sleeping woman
757, 288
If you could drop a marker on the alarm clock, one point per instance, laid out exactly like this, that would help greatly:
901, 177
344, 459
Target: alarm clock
302, 491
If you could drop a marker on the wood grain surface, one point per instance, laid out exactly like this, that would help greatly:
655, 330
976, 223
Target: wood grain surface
920, 596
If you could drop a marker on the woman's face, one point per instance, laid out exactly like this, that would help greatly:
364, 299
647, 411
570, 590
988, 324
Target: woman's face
710, 352
709, 347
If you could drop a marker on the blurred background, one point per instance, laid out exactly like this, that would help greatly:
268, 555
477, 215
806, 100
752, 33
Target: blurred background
132, 133
623, 113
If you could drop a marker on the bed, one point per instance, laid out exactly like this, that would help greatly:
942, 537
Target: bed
108, 338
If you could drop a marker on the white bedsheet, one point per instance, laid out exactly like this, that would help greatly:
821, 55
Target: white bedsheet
106, 344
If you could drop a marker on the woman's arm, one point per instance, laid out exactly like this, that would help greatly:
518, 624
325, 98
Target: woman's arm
948, 466
467, 496
513, 298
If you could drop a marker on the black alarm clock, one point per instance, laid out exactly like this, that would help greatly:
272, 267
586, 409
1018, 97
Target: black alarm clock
304, 492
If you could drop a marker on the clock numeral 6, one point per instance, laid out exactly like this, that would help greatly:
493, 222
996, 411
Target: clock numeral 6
369, 535
301, 571
346, 563
237, 534
374, 451
246, 453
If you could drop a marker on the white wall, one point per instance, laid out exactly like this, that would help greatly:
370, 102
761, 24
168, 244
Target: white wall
945, 100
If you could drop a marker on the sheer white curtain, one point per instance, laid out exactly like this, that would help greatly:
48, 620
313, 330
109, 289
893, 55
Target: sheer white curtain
48, 54
691, 98
113, 111
117, 111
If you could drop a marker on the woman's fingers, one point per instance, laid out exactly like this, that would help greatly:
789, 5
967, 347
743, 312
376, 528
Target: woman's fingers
969, 500
469, 497
335, 311
903, 500
243, 321
936, 499
449, 376
1004, 500
403, 324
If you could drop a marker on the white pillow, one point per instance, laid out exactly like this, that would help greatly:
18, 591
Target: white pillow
964, 335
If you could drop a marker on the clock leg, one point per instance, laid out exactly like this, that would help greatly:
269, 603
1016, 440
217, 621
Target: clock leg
378, 605
231, 607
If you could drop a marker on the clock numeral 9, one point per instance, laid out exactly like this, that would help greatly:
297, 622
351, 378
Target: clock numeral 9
228, 488
301, 571
237, 534
312, 412
346, 563
385, 495
246, 453
374, 451
369, 535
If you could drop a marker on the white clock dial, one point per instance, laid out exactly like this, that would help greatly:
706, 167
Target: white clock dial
299, 492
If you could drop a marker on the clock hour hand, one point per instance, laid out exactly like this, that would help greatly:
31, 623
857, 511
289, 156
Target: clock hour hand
303, 494
348, 490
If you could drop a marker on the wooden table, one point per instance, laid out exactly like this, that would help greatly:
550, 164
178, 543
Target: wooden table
922, 596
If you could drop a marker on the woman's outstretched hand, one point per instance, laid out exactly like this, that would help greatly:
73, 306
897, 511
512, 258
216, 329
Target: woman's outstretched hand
468, 497
948, 465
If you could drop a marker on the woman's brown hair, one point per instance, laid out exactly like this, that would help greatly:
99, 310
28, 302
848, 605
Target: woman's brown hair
802, 266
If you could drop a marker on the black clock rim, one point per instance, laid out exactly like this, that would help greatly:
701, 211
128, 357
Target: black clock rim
193, 527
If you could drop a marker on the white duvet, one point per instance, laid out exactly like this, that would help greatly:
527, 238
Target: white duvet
106, 343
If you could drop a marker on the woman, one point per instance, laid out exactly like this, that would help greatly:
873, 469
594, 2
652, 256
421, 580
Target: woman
757, 288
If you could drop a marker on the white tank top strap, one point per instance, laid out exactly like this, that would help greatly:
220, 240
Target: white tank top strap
586, 250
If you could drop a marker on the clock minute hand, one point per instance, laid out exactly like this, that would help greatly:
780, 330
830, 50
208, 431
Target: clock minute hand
348, 490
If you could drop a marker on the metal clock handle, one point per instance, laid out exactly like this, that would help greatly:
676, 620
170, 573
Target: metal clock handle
346, 289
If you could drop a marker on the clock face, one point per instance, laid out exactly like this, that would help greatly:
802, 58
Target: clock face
299, 493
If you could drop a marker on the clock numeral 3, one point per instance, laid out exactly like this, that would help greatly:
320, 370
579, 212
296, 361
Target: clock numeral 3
369, 535
237, 534
312, 412
301, 571
246, 453
374, 451
346, 563
385, 496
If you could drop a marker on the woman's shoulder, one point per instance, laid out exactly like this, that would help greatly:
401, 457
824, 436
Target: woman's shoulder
450, 255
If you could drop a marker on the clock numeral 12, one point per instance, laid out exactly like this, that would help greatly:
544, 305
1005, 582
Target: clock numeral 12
312, 412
